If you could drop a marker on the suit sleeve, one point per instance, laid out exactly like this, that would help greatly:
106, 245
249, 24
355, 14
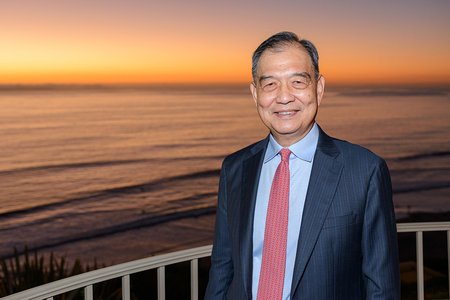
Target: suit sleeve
379, 239
221, 271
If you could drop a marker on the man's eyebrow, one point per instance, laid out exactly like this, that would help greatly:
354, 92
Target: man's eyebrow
302, 74
264, 77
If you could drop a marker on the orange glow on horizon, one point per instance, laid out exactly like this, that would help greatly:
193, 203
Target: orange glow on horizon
85, 42
65, 63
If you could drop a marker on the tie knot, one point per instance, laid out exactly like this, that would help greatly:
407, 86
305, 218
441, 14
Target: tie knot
285, 152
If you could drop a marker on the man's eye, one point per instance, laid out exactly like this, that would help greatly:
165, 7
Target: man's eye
269, 86
300, 84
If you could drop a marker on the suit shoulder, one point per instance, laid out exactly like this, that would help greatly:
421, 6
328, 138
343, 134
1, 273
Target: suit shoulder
355, 152
245, 152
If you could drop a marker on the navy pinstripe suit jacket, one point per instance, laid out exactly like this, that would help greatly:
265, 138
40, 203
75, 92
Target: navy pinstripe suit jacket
347, 245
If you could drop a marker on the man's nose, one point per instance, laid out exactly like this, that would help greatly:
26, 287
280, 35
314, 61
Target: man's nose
285, 95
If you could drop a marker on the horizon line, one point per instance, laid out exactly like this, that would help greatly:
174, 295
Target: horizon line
93, 85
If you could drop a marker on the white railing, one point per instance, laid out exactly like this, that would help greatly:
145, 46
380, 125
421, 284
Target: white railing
86, 281
123, 271
419, 229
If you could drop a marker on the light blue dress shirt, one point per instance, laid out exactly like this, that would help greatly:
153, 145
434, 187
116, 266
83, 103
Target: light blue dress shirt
300, 164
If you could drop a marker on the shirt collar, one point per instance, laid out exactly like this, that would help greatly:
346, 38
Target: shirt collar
303, 149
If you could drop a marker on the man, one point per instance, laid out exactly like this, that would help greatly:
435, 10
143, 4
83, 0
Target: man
301, 215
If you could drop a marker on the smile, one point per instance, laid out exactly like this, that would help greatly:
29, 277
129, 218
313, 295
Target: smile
286, 113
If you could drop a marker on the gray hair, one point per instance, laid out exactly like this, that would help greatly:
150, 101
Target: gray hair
282, 39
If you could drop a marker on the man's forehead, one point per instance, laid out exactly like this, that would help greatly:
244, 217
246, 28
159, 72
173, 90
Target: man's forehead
270, 63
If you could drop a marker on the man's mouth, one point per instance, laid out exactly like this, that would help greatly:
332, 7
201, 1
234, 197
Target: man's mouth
286, 113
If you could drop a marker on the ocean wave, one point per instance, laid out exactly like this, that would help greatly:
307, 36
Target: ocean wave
421, 187
106, 193
106, 163
393, 92
145, 221
78, 165
188, 200
424, 155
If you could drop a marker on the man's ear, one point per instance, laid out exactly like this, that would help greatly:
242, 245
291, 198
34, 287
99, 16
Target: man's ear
320, 89
254, 93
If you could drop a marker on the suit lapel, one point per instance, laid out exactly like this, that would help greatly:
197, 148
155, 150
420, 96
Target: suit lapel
251, 170
324, 179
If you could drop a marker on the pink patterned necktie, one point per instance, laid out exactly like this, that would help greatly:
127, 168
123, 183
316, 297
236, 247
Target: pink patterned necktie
271, 279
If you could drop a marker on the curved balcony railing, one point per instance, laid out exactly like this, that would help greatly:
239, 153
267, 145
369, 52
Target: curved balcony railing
86, 281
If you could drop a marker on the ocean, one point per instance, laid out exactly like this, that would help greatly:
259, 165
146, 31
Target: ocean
121, 172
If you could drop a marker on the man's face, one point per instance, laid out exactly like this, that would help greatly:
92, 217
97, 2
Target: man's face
286, 93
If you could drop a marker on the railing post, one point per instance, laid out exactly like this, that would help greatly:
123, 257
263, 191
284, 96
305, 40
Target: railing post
448, 260
88, 293
126, 287
194, 279
161, 283
420, 278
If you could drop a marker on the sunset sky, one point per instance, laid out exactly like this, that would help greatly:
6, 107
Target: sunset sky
143, 41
